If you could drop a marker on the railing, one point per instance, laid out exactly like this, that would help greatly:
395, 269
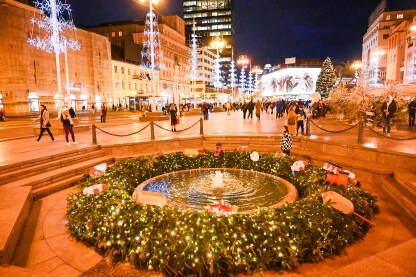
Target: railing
361, 126
152, 130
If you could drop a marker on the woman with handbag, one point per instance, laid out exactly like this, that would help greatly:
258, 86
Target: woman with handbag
173, 117
67, 123
291, 120
44, 123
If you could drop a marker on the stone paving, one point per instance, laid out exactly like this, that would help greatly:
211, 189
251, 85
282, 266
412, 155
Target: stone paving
219, 124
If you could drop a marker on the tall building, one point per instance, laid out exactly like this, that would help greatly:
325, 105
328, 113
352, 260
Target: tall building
410, 55
213, 18
127, 39
376, 42
28, 75
205, 73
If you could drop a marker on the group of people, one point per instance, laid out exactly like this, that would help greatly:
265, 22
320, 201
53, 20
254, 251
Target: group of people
2, 115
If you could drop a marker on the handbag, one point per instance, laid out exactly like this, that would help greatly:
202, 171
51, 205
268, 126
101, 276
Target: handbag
48, 125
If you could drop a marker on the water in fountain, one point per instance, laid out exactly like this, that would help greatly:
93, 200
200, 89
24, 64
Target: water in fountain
218, 180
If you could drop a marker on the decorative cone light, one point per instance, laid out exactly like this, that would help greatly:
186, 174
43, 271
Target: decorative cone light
233, 77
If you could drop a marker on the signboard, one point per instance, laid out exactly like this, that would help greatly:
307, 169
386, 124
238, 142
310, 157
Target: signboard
290, 60
291, 82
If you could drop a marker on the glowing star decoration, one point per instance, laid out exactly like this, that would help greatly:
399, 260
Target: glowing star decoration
94, 189
222, 209
254, 156
342, 204
98, 170
298, 166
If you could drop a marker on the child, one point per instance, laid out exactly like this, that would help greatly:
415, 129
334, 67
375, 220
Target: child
286, 142
301, 117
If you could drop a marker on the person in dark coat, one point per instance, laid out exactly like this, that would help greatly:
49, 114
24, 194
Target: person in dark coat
250, 108
412, 112
72, 112
244, 109
388, 110
173, 117
44, 123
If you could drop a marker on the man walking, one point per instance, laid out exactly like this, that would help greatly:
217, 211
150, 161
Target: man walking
412, 112
388, 109
250, 108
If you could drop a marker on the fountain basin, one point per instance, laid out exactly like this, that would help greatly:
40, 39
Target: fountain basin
246, 189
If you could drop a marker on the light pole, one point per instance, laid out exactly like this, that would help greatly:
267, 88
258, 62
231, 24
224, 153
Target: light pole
357, 66
152, 44
217, 44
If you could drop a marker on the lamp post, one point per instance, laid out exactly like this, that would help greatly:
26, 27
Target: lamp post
357, 66
152, 48
217, 44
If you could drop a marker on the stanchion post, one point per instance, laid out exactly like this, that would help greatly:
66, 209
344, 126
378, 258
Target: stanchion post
308, 126
94, 134
152, 130
360, 132
201, 126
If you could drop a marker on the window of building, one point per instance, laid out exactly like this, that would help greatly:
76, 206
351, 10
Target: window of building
122, 70
385, 36
33, 102
113, 34
120, 34
115, 69
129, 71
116, 84
400, 16
388, 17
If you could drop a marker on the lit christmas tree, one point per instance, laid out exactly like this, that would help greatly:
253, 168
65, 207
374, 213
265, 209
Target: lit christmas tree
217, 78
250, 87
55, 21
233, 77
243, 80
256, 82
326, 79
194, 56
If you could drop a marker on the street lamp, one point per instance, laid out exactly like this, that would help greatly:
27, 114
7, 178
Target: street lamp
217, 44
357, 66
152, 48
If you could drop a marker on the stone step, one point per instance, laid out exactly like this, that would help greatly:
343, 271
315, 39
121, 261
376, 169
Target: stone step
352, 163
48, 166
48, 158
401, 204
15, 204
57, 175
394, 261
56, 186
407, 180
16, 271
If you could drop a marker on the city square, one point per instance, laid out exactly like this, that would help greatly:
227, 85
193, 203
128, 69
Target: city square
154, 138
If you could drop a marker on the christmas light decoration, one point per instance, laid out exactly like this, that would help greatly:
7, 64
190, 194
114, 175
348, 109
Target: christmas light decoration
194, 56
250, 87
233, 77
217, 78
177, 240
242, 80
53, 24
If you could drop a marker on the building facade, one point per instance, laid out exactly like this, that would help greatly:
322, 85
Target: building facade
396, 53
213, 18
131, 84
376, 43
410, 54
29, 74
205, 73
127, 39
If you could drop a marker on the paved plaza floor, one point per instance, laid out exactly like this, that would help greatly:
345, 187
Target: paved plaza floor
15, 150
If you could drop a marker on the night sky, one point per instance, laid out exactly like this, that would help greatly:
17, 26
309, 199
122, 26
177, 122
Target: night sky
268, 30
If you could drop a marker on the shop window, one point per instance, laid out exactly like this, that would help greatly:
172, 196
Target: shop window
33, 102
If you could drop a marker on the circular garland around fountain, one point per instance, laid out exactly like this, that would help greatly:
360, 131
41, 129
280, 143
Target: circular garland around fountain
179, 241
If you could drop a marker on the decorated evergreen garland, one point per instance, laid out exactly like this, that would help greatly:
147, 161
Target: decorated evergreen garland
180, 241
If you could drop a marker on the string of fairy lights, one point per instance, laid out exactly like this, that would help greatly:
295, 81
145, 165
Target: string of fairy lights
180, 241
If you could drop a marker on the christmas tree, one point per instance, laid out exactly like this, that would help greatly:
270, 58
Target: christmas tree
243, 80
326, 79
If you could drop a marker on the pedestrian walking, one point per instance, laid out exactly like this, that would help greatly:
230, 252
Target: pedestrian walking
244, 109
250, 108
388, 110
2, 115
44, 123
68, 125
72, 112
228, 107
286, 141
301, 116
103, 113
258, 109
412, 112
173, 117
292, 120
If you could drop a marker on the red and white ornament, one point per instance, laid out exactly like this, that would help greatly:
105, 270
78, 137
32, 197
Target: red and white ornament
298, 166
332, 167
98, 170
254, 156
94, 189
352, 177
242, 148
221, 208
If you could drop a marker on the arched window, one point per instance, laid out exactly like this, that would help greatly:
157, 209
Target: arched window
98, 102
73, 102
84, 102
33, 102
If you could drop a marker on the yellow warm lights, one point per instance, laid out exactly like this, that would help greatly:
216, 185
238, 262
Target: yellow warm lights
243, 60
218, 43
357, 65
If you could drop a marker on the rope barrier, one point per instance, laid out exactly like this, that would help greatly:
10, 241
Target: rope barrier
127, 135
392, 138
335, 132
186, 129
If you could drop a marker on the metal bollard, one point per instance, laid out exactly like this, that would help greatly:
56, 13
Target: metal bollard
308, 126
360, 132
152, 130
201, 126
94, 134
